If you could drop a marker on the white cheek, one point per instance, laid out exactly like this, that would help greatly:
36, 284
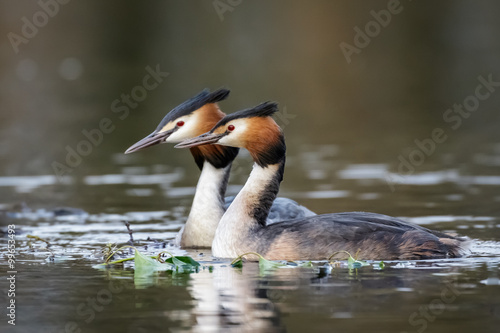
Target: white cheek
171, 139
231, 140
187, 131
225, 141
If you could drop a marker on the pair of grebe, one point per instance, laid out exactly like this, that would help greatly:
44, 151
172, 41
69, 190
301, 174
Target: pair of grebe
196, 116
243, 227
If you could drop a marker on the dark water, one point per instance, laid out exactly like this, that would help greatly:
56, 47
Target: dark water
385, 132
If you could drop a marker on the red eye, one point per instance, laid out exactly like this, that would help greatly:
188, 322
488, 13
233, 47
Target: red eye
180, 123
230, 128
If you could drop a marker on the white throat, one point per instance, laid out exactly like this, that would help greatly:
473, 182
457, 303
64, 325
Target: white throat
236, 223
207, 208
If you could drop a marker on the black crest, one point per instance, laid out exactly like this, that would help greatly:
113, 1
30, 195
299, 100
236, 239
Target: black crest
193, 104
265, 109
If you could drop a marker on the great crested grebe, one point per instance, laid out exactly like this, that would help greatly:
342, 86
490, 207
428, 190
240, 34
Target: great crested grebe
190, 119
243, 227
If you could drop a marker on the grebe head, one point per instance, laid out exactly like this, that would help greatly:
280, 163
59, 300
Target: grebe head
189, 119
253, 129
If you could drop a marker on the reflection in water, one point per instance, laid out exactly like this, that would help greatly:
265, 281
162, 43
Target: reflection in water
219, 299
228, 299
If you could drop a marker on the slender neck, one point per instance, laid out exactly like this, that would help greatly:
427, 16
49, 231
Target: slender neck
249, 210
208, 204
207, 208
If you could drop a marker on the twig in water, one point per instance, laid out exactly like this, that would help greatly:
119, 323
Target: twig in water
130, 232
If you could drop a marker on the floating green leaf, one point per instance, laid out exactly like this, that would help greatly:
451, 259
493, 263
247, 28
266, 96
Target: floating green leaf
354, 263
351, 261
237, 263
265, 266
182, 263
146, 265
183, 260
